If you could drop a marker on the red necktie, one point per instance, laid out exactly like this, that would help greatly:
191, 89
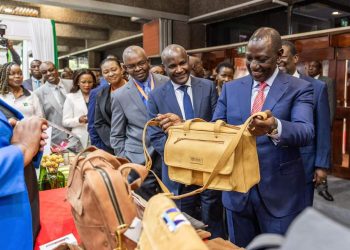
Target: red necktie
259, 99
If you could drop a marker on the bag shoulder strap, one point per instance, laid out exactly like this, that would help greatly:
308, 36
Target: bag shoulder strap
225, 156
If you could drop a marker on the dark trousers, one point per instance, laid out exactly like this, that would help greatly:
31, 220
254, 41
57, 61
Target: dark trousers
309, 191
150, 185
206, 207
253, 220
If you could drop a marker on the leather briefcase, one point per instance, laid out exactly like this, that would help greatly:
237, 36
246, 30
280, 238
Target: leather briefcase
102, 204
212, 155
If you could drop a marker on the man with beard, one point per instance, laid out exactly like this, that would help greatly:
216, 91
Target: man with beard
35, 80
270, 206
316, 156
185, 97
129, 115
52, 96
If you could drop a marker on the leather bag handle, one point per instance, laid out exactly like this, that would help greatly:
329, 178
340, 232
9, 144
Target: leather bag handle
140, 170
75, 163
224, 158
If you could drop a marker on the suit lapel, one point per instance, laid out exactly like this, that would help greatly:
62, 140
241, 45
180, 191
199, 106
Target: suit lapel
80, 98
197, 94
276, 91
49, 95
245, 94
104, 95
135, 96
170, 99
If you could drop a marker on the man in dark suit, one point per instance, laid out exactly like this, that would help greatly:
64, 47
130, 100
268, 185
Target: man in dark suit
185, 97
270, 206
316, 156
315, 71
35, 80
129, 115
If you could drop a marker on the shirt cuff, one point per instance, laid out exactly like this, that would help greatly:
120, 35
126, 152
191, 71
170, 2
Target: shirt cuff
276, 138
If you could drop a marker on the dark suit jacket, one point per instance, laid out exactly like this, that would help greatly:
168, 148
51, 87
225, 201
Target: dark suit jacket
282, 184
94, 137
331, 95
317, 154
102, 119
163, 100
27, 84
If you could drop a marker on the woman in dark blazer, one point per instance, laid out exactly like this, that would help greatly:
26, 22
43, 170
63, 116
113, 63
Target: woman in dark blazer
113, 73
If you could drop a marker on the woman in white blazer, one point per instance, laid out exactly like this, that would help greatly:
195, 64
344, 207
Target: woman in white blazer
75, 107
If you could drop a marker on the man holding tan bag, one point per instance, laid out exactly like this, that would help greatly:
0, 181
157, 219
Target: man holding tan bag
270, 206
186, 97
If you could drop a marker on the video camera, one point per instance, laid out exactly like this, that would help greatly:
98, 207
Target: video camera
3, 40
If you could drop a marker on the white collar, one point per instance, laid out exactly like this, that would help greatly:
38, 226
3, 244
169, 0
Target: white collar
317, 77
296, 74
176, 86
270, 80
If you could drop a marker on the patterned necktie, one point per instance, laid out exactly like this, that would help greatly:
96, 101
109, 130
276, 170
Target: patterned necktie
189, 113
147, 90
259, 99
37, 84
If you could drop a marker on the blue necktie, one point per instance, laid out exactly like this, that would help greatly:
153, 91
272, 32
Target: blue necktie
37, 84
147, 90
189, 113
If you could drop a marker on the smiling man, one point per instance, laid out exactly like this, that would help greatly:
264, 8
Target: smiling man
270, 206
185, 97
52, 96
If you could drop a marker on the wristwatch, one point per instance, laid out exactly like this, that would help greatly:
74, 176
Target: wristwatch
273, 128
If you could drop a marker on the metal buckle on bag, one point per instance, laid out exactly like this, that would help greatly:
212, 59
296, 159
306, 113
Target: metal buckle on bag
118, 235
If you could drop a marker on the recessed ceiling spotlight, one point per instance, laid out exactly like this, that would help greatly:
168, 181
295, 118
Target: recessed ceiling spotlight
335, 13
8, 10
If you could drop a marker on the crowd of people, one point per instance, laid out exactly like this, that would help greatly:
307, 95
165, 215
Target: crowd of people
111, 110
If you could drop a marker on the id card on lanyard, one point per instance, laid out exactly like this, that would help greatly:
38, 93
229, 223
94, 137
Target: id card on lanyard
142, 92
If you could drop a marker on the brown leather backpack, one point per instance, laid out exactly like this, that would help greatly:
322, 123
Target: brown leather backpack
100, 196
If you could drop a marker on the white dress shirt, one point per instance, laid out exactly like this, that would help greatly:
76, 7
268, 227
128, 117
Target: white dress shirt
255, 90
180, 95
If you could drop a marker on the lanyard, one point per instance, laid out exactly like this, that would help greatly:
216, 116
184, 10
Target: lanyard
141, 90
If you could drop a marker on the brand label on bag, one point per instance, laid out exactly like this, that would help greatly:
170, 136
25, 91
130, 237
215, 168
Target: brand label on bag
196, 160
134, 231
174, 219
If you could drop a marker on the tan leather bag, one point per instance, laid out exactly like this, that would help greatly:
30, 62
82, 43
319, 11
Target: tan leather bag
212, 155
100, 196
166, 228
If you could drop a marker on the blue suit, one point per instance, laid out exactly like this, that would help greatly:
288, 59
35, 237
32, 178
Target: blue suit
317, 154
163, 100
15, 211
94, 137
280, 195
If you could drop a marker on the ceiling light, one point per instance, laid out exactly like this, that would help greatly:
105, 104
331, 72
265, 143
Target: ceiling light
335, 13
19, 10
8, 10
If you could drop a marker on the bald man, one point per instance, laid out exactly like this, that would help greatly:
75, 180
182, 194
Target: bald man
270, 206
129, 115
196, 66
186, 97
52, 96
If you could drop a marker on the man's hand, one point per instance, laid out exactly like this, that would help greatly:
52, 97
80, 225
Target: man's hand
320, 176
83, 119
167, 120
29, 135
258, 126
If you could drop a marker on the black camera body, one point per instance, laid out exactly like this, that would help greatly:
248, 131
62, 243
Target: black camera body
3, 40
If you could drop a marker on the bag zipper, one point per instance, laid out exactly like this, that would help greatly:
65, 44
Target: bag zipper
111, 194
191, 139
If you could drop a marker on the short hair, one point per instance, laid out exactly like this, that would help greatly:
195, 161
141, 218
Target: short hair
133, 49
268, 33
223, 65
291, 47
169, 49
49, 63
77, 75
318, 64
35, 60
110, 60
4, 77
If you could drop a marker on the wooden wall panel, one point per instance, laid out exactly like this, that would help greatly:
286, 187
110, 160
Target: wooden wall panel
343, 54
151, 38
341, 40
316, 54
312, 43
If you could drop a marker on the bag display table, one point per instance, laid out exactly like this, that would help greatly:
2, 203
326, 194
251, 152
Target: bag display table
55, 217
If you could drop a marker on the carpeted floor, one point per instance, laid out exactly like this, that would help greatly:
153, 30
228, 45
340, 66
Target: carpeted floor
339, 209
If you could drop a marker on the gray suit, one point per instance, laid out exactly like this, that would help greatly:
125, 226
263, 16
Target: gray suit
53, 111
129, 116
28, 84
331, 94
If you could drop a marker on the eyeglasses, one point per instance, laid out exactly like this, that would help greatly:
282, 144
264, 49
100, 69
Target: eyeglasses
140, 64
